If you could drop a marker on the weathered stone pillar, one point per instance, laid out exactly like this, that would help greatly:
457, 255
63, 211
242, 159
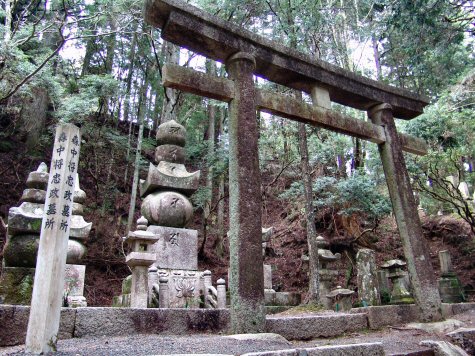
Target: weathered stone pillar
246, 273
164, 295
221, 293
368, 289
405, 210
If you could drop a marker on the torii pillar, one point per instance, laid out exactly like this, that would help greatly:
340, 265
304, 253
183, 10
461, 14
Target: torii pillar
246, 281
404, 206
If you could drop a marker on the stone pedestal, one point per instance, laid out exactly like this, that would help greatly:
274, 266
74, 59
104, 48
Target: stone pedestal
368, 289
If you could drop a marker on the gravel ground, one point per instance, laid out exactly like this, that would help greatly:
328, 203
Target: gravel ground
396, 341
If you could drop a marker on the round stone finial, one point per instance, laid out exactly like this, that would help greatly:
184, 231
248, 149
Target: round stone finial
171, 133
42, 168
142, 223
220, 281
163, 279
207, 273
153, 269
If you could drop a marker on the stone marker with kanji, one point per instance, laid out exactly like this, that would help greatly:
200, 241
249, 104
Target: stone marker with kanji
47, 298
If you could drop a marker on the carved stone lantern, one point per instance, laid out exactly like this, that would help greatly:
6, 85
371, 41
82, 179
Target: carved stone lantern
400, 293
139, 259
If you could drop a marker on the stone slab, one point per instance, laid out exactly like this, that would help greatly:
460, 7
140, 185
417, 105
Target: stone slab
310, 327
380, 316
363, 349
74, 280
14, 322
94, 322
282, 298
465, 338
185, 287
267, 277
176, 248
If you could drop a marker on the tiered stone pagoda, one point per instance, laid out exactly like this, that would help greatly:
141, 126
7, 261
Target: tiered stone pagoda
326, 273
173, 278
23, 235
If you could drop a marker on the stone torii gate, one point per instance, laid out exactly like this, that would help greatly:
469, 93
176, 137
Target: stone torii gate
246, 54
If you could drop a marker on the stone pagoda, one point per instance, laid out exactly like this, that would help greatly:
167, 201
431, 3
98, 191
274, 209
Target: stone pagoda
23, 235
173, 278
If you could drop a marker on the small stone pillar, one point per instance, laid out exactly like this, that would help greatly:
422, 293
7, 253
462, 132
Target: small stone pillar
400, 293
207, 282
163, 293
368, 289
327, 275
139, 260
450, 288
221, 293
340, 299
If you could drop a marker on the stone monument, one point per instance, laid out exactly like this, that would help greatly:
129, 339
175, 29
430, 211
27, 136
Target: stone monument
23, 234
340, 298
275, 300
450, 288
400, 293
368, 289
173, 278
327, 274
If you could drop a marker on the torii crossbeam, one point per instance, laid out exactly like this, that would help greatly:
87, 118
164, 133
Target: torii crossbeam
246, 54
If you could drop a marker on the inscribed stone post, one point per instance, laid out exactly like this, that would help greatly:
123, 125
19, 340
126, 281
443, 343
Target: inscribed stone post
246, 271
47, 296
368, 291
405, 210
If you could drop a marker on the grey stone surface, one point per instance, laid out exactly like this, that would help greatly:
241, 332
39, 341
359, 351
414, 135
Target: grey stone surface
444, 348
80, 229
74, 279
364, 349
14, 322
184, 288
439, 327
309, 327
176, 248
21, 250
462, 307
260, 336
380, 316
273, 298
170, 176
218, 39
171, 133
170, 153
92, 322
76, 251
39, 178
170, 209
465, 338
368, 292
26, 218
33, 195
267, 276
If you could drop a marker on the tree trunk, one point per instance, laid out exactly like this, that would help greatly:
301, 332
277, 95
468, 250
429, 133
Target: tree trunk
170, 101
141, 116
8, 22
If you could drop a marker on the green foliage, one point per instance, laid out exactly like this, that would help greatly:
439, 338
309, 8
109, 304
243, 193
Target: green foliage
77, 106
357, 194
